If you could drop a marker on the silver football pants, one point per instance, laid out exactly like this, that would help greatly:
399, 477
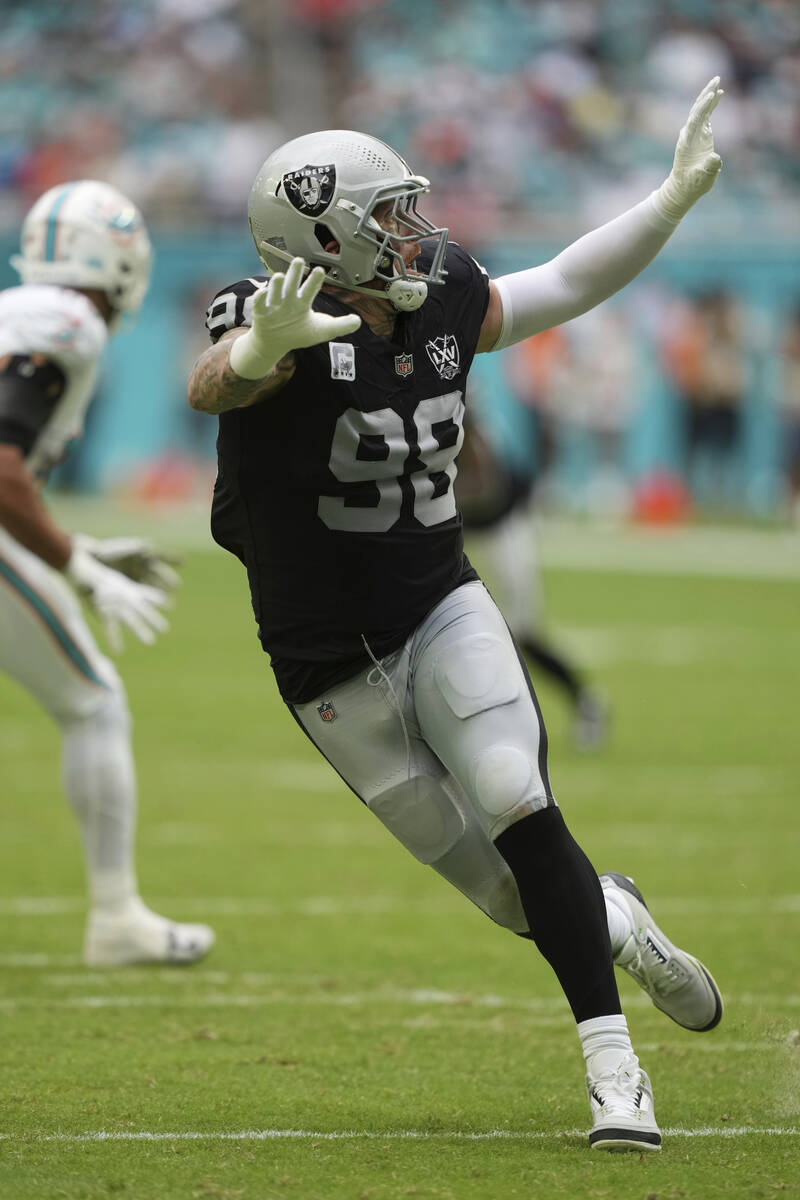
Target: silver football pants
444, 741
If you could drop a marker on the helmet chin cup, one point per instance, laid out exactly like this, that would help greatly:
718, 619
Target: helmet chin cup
407, 294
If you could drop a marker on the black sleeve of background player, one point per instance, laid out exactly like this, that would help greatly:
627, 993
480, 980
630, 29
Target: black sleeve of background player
29, 392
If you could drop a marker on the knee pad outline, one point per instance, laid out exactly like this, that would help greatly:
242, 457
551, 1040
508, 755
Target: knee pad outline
103, 707
503, 776
422, 816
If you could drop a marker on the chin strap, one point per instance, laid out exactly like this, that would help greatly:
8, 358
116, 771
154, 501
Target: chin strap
406, 294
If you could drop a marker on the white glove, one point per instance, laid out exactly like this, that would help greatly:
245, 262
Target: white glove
284, 320
116, 599
696, 166
135, 557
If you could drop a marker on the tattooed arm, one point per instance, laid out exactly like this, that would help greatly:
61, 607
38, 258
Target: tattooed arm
214, 387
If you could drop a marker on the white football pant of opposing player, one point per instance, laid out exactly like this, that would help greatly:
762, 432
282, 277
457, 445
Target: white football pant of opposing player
85, 260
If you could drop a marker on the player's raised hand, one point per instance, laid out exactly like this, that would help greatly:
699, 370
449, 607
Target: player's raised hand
696, 164
117, 600
284, 319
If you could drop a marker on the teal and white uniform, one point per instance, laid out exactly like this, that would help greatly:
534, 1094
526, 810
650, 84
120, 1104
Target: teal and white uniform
45, 643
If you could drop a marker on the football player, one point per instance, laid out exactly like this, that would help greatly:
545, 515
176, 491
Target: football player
84, 262
339, 385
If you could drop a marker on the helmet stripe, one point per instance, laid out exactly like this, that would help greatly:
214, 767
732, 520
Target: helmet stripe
52, 223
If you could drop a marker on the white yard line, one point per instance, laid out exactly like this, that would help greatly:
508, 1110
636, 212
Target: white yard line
676, 646
740, 779
501, 1026
420, 998
713, 1046
566, 543
266, 1135
705, 550
44, 961
364, 906
256, 1000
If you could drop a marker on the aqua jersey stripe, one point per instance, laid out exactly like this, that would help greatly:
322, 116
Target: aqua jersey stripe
51, 620
52, 223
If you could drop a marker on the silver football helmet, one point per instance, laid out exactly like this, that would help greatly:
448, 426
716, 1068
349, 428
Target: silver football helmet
86, 234
315, 197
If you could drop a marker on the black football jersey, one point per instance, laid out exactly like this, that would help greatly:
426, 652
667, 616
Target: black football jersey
337, 493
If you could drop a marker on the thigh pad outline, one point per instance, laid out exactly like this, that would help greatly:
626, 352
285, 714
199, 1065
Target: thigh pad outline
477, 673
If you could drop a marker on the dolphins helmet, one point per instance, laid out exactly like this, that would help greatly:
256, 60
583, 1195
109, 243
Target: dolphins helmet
86, 234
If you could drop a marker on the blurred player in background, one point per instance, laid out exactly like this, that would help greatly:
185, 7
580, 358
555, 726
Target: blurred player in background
341, 416
704, 356
85, 261
495, 492
790, 412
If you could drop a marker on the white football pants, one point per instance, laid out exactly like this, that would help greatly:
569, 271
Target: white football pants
46, 646
444, 741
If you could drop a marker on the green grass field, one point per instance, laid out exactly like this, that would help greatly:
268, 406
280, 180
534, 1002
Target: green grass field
360, 1031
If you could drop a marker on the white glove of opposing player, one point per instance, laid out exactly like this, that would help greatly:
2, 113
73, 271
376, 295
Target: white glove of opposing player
284, 320
116, 599
135, 557
696, 166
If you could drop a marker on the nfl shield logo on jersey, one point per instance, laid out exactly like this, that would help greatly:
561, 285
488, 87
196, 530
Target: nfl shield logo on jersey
326, 711
443, 353
404, 363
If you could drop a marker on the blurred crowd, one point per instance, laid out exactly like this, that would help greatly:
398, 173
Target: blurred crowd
534, 110
536, 119
653, 407
164, 98
519, 109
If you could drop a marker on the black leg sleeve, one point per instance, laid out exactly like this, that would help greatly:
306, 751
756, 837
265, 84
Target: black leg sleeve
546, 657
566, 912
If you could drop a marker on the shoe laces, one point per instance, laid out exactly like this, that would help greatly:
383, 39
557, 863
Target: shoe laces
662, 977
619, 1091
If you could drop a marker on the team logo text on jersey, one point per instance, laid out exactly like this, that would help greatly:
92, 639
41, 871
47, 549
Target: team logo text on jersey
310, 189
326, 711
404, 364
443, 353
343, 360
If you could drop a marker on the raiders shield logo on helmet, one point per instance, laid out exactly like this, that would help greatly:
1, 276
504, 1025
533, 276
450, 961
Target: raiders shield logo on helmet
443, 353
310, 189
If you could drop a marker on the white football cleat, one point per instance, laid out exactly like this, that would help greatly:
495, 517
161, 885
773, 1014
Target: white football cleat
138, 935
678, 984
621, 1100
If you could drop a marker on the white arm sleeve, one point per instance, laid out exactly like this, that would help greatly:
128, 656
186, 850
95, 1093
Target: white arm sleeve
580, 277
